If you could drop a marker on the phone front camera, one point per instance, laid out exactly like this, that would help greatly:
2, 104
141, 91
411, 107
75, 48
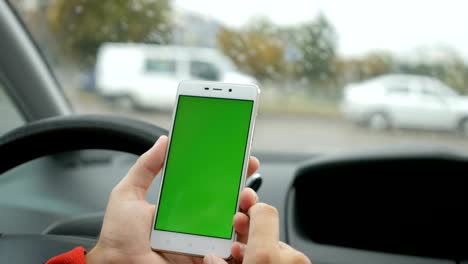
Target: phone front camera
230, 90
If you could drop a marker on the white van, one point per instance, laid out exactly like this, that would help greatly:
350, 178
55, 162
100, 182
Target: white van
148, 74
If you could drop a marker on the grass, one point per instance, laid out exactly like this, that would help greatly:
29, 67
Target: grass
271, 103
298, 104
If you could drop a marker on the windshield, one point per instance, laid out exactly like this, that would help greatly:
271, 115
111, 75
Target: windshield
335, 75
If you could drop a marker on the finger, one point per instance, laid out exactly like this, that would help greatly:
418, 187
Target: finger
247, 199
283, 245
241, 225
212, 259
147, 166
238, 251
293, 256
253, 165
264, 226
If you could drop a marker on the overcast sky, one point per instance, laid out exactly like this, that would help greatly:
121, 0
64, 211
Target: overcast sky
400, 26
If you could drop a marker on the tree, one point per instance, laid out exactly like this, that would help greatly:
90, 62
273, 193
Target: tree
316, 41
81, 26
453, 73
255, 49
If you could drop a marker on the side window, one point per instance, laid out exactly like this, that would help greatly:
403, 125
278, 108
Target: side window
160, 66
204, 71
10, 116
430, 92
397, 89
437, 88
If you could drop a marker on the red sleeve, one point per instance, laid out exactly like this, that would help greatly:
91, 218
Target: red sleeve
74, 256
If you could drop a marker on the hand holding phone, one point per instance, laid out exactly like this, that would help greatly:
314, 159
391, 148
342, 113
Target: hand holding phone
205, 168
126, 227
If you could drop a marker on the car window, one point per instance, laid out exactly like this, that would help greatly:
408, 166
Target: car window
9, 114
304, 55
397, 85
432, 88
160, 66
204, 71
398, 89
430, 92
442, 90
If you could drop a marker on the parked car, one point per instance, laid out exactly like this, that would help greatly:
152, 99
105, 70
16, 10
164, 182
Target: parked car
406, 101
148, 74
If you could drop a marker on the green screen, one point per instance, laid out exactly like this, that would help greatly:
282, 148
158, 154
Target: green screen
204, 166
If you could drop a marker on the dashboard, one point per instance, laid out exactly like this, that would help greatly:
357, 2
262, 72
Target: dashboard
383, 206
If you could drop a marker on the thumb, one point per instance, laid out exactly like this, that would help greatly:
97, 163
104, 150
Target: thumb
212, 259
146, 167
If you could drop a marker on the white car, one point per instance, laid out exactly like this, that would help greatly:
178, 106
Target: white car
148, 75
406, 101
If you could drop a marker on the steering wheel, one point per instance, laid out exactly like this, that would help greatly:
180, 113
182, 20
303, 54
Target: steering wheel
59, 134
69, 133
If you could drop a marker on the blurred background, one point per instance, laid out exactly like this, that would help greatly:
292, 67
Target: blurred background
335, 75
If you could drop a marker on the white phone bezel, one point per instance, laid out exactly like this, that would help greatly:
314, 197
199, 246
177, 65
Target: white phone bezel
194, 244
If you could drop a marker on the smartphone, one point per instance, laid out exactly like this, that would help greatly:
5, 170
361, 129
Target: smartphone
205, 168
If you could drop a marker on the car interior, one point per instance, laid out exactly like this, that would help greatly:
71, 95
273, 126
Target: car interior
364, 205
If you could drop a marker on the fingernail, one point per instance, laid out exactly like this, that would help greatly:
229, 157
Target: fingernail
208, 259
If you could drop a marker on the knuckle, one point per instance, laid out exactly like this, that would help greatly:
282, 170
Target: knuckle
116, 191
266, 209
141, 162
300, 258
266, 256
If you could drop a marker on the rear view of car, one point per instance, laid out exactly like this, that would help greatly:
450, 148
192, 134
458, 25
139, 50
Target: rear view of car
117, 68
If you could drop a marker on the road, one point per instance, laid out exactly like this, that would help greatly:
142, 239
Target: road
300, 134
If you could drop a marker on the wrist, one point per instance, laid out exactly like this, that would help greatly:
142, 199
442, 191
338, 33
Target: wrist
93, 256
101, 254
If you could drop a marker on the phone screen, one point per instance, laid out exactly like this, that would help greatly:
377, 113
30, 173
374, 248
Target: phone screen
204, 166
